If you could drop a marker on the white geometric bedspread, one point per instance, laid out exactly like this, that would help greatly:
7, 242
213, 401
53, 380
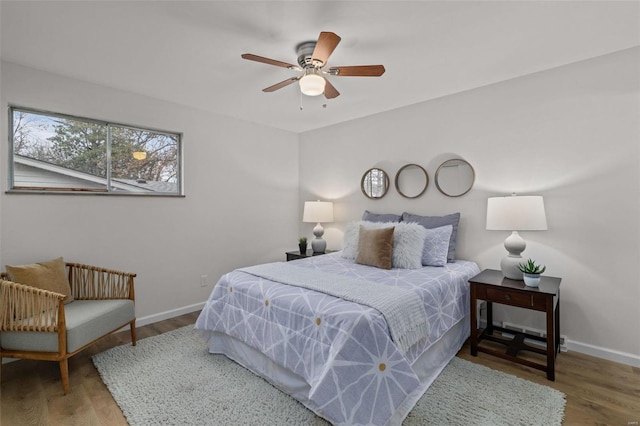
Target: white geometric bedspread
342, 349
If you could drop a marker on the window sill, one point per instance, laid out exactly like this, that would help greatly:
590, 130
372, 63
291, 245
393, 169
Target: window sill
85, 192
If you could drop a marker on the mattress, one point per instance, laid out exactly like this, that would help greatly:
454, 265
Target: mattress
334, 356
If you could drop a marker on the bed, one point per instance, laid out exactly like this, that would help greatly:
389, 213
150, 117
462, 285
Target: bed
333, 355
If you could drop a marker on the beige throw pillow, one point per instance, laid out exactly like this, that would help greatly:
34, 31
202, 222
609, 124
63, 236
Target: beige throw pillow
375, 247
51, 275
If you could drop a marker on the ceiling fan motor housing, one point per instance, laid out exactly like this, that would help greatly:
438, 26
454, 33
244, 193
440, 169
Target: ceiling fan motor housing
305, 51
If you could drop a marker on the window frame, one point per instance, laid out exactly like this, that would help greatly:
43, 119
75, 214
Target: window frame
109, 186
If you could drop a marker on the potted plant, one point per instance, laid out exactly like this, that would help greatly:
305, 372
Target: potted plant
531, 272
302, 244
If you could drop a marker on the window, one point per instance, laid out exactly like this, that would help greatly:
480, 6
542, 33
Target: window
61, 153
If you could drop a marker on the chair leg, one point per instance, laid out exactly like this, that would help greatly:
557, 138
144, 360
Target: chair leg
64, 374
132, 326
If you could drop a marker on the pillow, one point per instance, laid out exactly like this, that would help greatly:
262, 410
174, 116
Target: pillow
350, 239
431, 222
436, 246
408, 245
408, 242
51, 275
375, 247
380, 217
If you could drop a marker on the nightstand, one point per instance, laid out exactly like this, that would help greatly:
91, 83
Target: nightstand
293, 255
490, 285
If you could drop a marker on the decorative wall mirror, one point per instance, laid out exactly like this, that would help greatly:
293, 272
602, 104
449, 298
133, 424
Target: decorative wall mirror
455, 178
411, 181
374, 183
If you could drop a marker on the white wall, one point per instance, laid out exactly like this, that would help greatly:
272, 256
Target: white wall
570, 134
241, 186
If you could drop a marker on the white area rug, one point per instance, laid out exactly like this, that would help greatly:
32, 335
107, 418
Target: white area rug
171, 379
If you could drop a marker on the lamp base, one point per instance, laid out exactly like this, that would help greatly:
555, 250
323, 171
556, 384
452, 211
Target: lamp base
509, 266
318, 244
515, 245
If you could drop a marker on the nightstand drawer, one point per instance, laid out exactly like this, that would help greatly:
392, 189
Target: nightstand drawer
515, 298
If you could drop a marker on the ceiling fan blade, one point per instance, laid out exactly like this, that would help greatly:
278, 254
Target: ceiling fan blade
325, 46
269, 61
358, 71
282, 84
330, 92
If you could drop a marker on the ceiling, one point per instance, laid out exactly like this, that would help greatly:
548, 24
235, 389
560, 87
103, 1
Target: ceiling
189, 52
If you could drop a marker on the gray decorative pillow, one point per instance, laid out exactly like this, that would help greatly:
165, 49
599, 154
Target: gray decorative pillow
436, 246
380, 217
408, 242
431, 222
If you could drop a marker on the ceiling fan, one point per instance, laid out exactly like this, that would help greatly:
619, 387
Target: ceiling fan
312, 58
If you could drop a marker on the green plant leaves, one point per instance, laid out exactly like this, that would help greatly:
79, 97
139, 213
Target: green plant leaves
530, 267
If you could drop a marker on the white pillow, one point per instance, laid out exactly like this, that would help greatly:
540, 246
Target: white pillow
350, 239
436, 246
408, 242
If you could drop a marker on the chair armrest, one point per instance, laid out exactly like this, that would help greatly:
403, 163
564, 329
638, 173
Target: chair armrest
26, 308
97, 283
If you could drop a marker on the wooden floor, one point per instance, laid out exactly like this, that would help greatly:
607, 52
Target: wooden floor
598, 392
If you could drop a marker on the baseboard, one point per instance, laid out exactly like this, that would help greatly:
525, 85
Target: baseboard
604, 353
150, 319
161, 316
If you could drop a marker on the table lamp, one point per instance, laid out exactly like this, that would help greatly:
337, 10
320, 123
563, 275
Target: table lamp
515, 213
318, 211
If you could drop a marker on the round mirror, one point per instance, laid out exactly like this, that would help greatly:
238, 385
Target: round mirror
374, 183
455, 177
411, 181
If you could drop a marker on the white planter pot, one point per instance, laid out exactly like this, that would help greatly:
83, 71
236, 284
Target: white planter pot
531, 280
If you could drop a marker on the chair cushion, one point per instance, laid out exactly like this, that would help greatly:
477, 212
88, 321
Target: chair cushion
51, 275
87, 320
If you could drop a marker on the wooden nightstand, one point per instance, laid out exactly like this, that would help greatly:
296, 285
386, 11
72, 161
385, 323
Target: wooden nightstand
293, 255
492, 286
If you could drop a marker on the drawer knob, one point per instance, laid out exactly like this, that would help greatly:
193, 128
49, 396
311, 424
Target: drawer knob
507, 297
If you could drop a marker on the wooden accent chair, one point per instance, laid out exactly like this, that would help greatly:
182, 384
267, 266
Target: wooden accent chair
35, 324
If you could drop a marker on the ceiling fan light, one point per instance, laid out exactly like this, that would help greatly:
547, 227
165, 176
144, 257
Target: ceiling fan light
312, 84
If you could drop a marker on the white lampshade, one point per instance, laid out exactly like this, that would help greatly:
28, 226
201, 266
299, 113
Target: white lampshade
312, 84
318, 211
516, 213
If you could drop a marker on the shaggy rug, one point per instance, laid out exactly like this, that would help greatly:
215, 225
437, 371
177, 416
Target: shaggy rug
171, 379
